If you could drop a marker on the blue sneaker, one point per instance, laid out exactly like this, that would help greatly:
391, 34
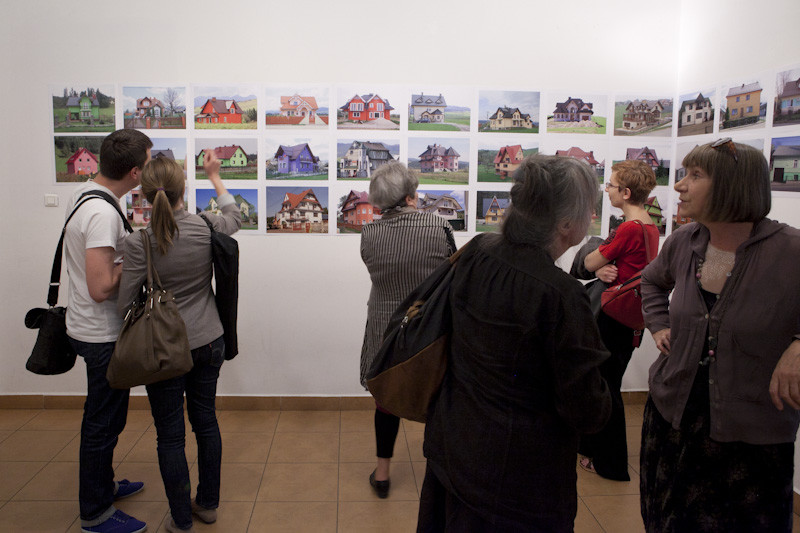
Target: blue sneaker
119, 522
127, 488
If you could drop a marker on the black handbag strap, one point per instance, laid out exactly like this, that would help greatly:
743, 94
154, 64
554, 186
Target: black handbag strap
55, 272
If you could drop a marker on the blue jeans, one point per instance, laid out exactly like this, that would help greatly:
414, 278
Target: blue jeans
166, 404
104, 415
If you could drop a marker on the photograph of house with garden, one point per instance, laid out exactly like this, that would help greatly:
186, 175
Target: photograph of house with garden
696, 114
508, 111
497, 160
743, 106
358, 159
297, 210
296, 107
369, 111
440, 109
353, 212
246, 200
784, 162
154, 107
491, 207
650, 155
787, 98
77, 158
643, 116
440, 161
83, 109
239, 157
296, 159
450, 205
577, 114
231, 108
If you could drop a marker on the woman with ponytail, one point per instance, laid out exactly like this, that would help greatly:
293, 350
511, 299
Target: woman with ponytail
523, 379
181, 254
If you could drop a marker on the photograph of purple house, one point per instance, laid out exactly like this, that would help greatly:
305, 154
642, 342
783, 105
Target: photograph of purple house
297, 159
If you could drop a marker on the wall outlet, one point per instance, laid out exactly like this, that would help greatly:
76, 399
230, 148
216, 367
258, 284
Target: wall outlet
51, 200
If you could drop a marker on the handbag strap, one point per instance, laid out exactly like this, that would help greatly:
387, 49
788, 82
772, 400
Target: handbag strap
55, 272
152, 273
648, 257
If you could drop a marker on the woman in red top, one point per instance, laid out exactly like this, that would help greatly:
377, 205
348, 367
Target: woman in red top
617, 260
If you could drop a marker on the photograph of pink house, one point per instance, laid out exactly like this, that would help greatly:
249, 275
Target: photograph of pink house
437, 158
83, 162
355, 211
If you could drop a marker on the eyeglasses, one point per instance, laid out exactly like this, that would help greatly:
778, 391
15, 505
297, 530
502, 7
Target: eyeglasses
610, 185
726, 144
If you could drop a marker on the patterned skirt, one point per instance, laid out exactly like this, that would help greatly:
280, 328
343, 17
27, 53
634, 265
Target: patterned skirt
691, 483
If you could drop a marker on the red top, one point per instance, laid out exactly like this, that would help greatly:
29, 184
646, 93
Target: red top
625, 247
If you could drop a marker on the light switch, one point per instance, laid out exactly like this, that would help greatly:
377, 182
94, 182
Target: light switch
51, 200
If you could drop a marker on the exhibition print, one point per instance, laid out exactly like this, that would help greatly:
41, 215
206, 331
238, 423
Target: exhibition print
696, 113
652, 153
154, 107
575, 112
297, 210
508, 111
297, 106
784, 170
230, 108
78, 109
297, 158
238, 156
450, 205
77, 158
357, 159
368, 108
655, 205
440, 109
138, 210
491, 207
787, 98
172, 148
246, 201
440, 161
353, 211
638, 115
498, 159
743, 105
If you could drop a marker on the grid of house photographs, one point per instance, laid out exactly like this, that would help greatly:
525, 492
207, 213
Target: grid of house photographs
298, 157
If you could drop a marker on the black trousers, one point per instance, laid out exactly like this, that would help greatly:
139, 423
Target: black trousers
386, 427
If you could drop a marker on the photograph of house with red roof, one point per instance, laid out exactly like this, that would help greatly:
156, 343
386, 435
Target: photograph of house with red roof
367, 110
508, 111
297, 210
440, 160
83, 109
239, 157
225, 108
440, 109
293, 107
297, 159
498, 159
643, 116
353, 212
576, 113
587, 156
77, 158
154, 107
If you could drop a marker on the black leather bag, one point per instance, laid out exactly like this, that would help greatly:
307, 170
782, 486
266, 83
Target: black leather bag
53, 354
225, 256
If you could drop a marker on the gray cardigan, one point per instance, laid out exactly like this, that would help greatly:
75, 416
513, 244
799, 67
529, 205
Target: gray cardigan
186, 270
755, 319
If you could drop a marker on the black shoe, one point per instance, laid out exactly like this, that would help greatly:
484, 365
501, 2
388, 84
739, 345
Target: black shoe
381, 487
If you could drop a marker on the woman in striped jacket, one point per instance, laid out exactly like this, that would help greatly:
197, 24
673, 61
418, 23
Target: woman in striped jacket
400, 250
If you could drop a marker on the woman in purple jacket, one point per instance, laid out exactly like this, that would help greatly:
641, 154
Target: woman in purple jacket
720, 422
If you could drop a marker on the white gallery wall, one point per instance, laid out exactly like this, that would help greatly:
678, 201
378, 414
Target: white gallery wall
303, 298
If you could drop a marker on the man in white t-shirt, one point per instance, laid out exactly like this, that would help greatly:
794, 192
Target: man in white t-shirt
93, 251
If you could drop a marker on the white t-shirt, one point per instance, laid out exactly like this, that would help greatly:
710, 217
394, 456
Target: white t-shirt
95, 225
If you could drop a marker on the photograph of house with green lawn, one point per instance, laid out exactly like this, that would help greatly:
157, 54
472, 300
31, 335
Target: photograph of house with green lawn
491, 207
439, 160
83, 109
77, 158
246, 201
651, 154
154, 107
498, 159
230, 108
301, 106
508, 111
297, 158
784, 162
239, 157
577, 113
440, 109
637, 115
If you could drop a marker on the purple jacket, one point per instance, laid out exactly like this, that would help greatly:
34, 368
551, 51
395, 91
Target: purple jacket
755, 319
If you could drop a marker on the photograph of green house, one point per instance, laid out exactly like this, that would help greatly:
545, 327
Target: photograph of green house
237, 156
83, 110
785, 164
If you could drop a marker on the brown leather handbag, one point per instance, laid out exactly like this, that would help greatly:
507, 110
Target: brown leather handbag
152, 345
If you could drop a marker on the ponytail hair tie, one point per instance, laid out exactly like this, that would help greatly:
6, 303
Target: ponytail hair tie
160, 188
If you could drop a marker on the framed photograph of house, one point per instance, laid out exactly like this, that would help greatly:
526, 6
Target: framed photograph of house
138, 209
246, 201
696, 113
228, 108
239, 157
358, 159
440, 109
375, 109
784, 164
787, 98
652, 154
172, 148
491, 207
293, 107
655, 205
77, 158
83, 109
297, 210
451, 205
591, 153
575, 112
353, 211
295, 158
637, 115
498, 159
440, 161
154, 107
508, 111
743, 105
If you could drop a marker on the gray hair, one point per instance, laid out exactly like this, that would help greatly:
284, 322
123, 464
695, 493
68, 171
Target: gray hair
547, 191
390, 185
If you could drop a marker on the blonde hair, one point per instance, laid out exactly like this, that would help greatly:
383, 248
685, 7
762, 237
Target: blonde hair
163, 184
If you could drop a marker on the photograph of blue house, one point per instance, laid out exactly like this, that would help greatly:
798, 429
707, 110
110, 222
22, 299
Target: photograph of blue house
297, 159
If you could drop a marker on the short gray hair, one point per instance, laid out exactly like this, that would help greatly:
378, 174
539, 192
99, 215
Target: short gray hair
390, 184
548, 190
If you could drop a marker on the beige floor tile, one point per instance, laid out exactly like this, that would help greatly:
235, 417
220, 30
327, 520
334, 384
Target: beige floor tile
13, 419
292, 517
239, 481
16, 475
299, 482
419, 474
633, 436
150, 474
246, 447
308, 421
232, 517
4, 435
145, 449
305, 448
354, 482
413, 427
795, 522
633, 463
34, 445
386, 516
585, 522
358, 421
593, 485
415, 440
56, 481
139, 420
360, 448
248, 421
616, 513
634, 414
55, 419
41, 517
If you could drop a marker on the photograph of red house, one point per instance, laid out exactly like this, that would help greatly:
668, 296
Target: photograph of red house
83, 162
367, 110
355, 212
508, 159
588, 157
219, 112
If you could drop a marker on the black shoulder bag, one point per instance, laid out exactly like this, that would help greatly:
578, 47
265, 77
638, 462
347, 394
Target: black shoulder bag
225, 256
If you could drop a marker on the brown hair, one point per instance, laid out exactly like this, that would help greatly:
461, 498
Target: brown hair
638, 177
122, 151
163, 184
740, 190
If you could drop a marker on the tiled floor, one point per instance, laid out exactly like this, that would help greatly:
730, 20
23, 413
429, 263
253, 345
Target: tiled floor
301, 471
